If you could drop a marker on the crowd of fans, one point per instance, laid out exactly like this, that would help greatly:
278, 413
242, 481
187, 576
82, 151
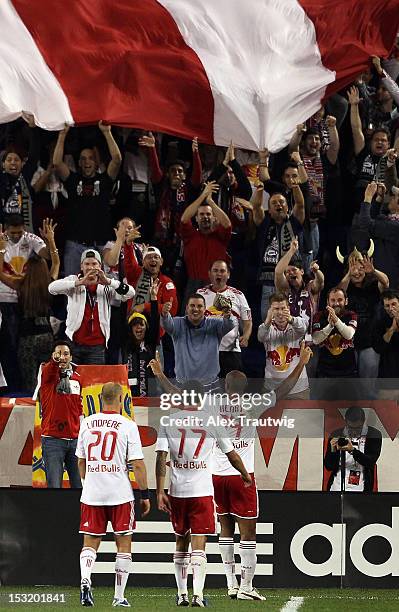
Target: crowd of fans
108, 234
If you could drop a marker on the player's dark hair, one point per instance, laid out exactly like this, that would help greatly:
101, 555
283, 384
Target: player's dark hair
14, 220
355, 413
61, 342
390, 294
196, 296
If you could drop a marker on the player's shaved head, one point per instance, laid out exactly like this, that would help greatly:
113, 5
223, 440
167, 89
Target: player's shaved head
236, 382
111, 392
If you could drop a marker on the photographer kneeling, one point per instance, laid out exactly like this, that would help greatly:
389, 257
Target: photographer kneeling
352, 453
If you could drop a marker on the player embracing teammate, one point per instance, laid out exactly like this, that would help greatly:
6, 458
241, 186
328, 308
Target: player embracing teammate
234, 503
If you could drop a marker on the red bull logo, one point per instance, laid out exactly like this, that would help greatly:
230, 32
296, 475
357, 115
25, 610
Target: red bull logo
282, 356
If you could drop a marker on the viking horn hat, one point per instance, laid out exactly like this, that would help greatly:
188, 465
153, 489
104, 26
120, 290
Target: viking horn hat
356, 254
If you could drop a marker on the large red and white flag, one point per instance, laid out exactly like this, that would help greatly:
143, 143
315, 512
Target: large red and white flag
217, 69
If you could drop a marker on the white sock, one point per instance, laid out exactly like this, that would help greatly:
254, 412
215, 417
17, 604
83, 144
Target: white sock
182, 562
226, 547
87, 558
248, 564
198, 565
123, 563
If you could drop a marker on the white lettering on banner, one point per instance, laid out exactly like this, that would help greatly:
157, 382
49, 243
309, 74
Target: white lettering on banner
335, 534
391, 534
309, 429
12, 441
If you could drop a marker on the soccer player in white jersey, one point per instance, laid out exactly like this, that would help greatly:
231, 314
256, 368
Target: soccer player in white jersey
108, 446
234, 503
190, 501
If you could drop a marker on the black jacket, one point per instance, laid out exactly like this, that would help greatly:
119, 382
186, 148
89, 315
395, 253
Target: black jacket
368, 459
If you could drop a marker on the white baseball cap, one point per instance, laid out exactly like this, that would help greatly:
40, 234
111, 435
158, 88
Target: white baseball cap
152, 250
90, 253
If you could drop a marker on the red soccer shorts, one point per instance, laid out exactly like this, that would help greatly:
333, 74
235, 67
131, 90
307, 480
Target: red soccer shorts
94, 519
232, 497
193, 514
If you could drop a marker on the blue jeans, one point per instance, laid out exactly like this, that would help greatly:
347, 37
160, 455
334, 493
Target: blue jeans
57, 453
367, 363
84, 354
314, 242
267, 291
73, 253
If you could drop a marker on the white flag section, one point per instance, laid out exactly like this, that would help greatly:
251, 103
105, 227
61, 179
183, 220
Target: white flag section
26, 82
221, 70
263, 65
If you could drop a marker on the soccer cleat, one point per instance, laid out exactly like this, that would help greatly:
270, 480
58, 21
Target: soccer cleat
182, 600
120, 603
86, 596
232, 592
197, 602
250, 595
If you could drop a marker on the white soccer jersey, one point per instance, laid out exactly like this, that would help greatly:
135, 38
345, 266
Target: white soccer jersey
242, 433
15, 258
108, 440
240, 310
190, 438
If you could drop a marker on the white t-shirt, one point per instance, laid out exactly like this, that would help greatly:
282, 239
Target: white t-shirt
15, 258
282, 347
108, 440
240, 310
190, 437
242, 434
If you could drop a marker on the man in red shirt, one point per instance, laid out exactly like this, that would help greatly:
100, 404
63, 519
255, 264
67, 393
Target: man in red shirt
208, 242
142, 277
61, 405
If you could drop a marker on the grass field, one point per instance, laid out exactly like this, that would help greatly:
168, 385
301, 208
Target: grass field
288, 600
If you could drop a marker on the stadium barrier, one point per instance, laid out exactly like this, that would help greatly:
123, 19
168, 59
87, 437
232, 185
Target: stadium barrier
305, 539
286, 459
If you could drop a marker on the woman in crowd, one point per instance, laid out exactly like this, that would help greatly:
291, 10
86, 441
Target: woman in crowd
36, 336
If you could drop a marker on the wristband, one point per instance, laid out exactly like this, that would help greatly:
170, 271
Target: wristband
145, 494
300, 164
123, 289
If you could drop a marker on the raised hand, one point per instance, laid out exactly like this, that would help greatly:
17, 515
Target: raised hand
244, 203
368, 264
314, 267
47, 229
147, 141
104, 127
353, 95
370, 191
210, 188
102, 279
229, 154
305, 353
264, 155
392, 155
194, 145
296, 157
154, 288
29, 118
300, 129
331, 121
167, 307
294, 246
332, 317
155, 365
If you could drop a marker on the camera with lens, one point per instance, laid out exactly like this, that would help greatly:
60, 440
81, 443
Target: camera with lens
343, 441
